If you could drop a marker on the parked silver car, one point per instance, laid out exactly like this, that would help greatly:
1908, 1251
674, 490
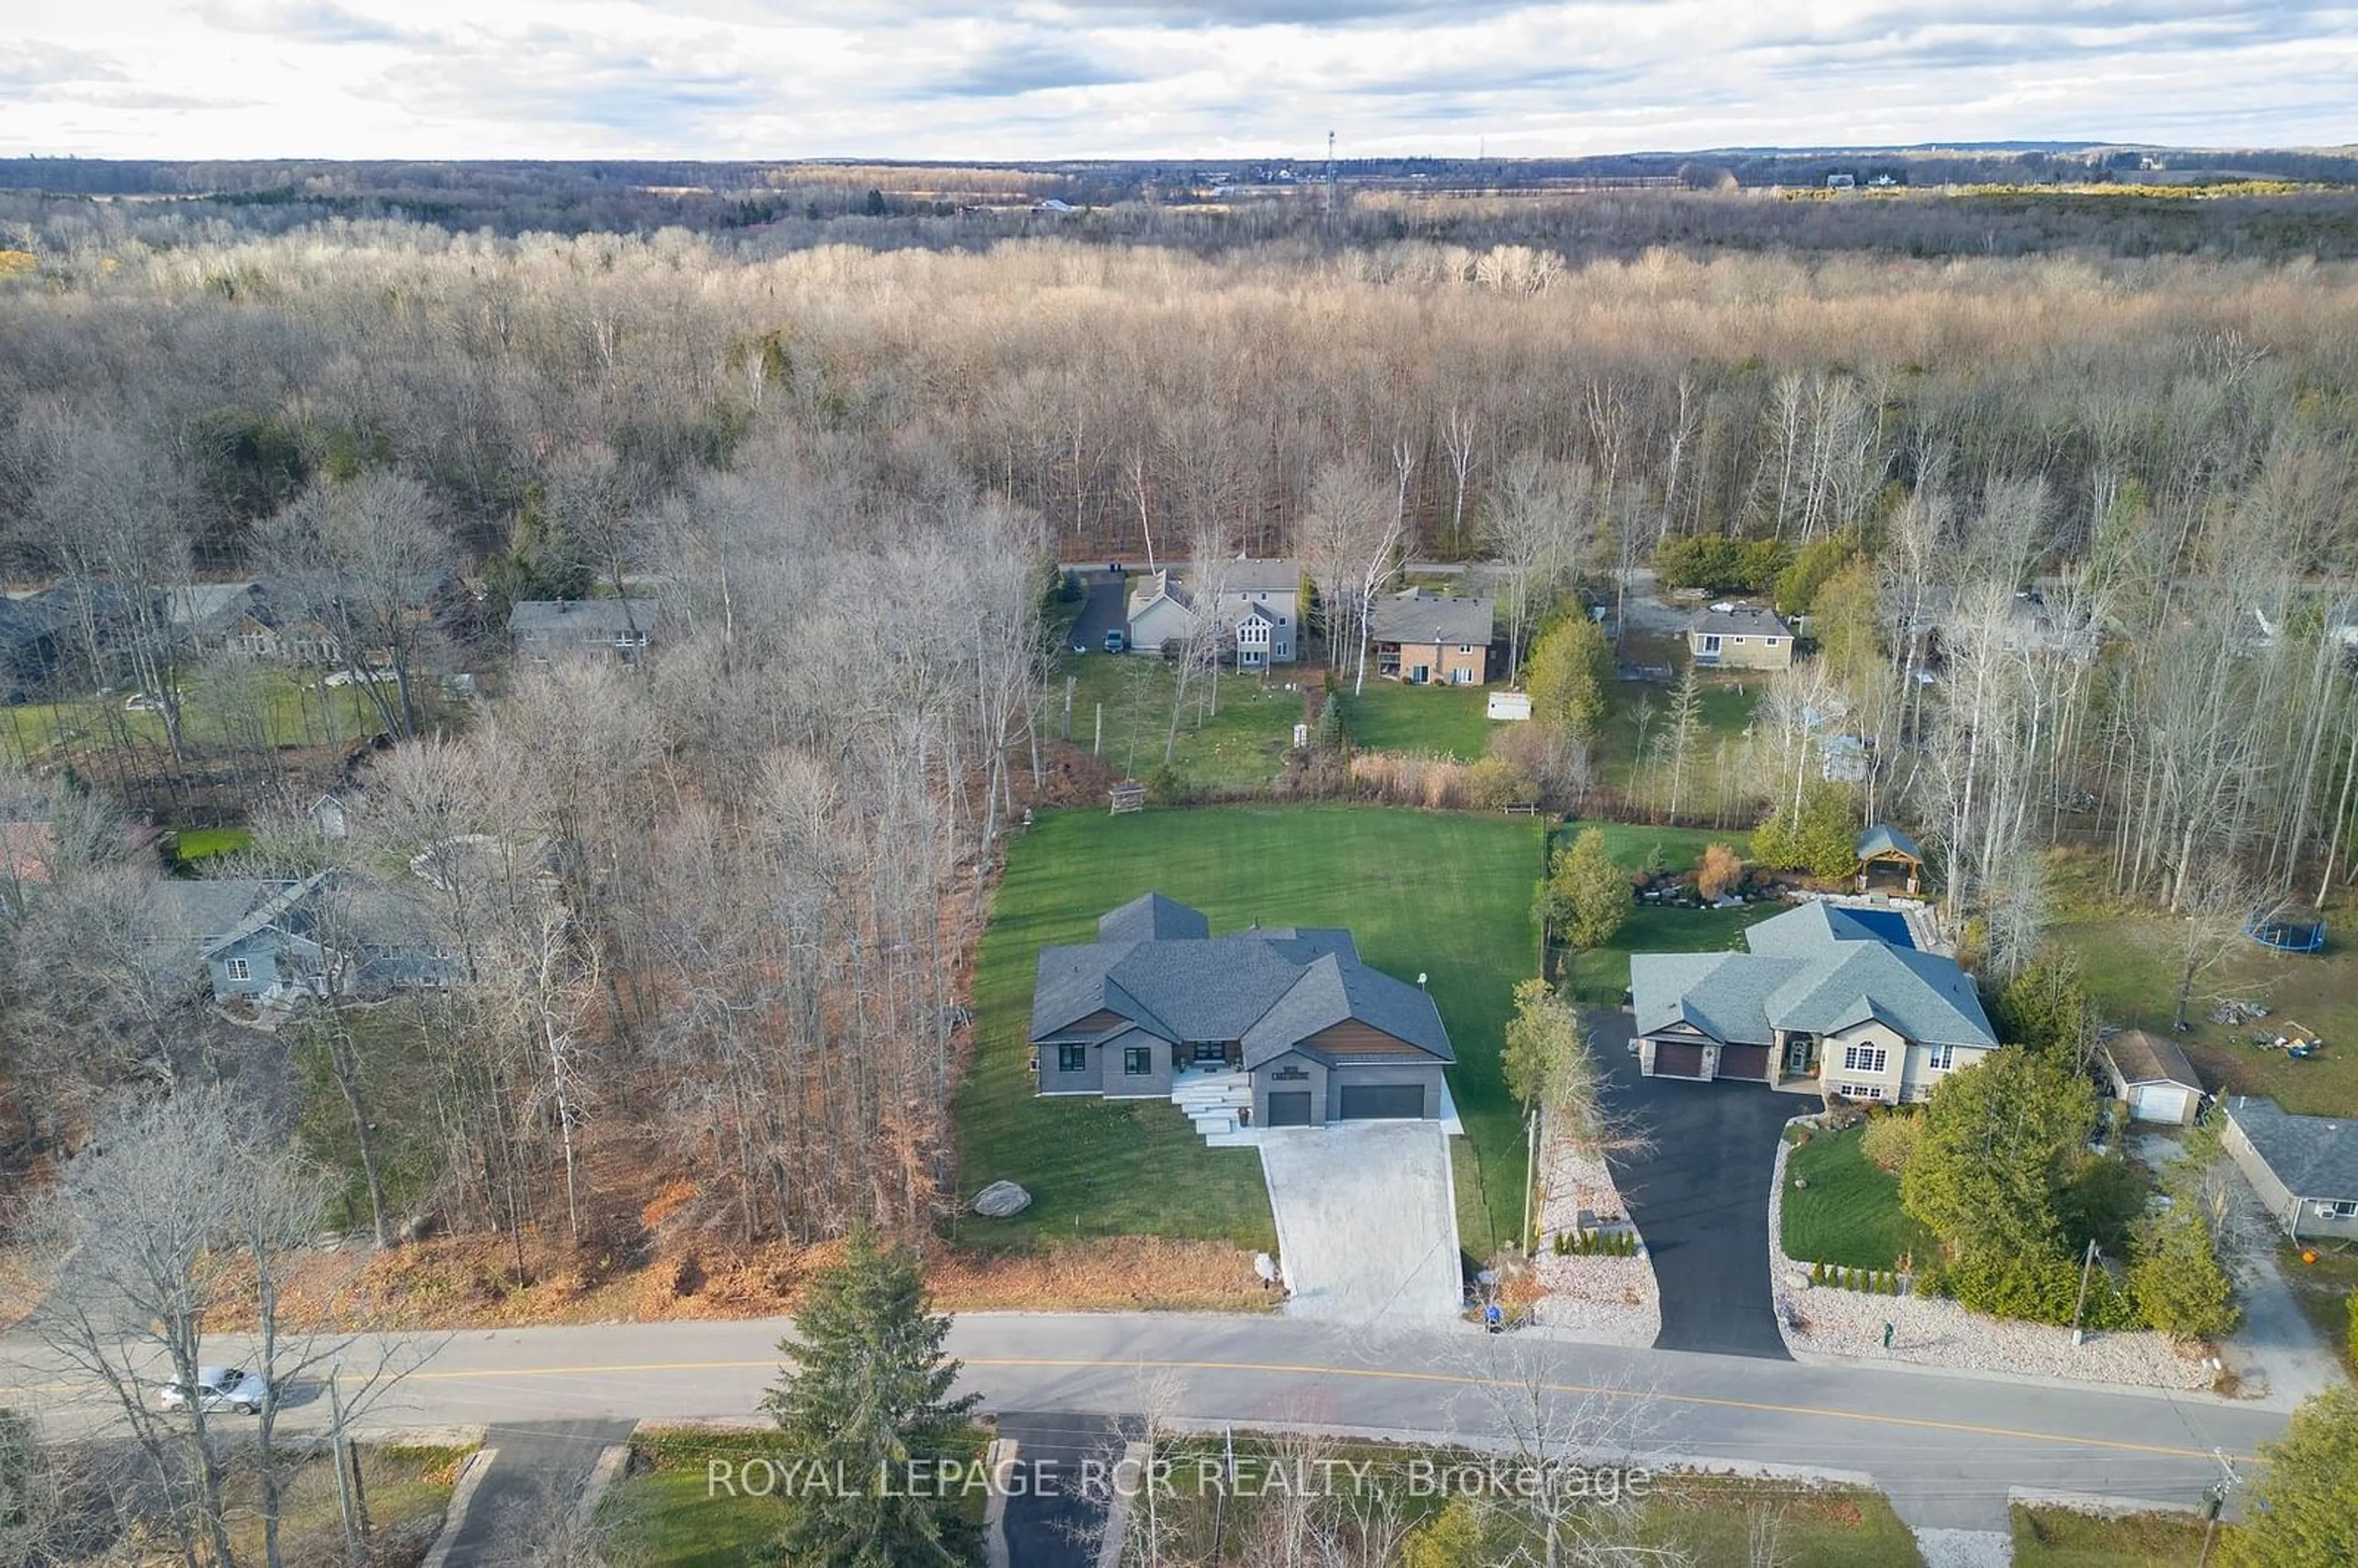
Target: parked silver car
218, 1389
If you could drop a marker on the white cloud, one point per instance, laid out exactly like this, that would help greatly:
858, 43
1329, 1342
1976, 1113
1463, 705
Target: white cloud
1076, 78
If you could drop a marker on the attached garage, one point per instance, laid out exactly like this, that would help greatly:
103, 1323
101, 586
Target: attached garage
1289, 1108
1747, 1062
1674, 1059
1380, 1102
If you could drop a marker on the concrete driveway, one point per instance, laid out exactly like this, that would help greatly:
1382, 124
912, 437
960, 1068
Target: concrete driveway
1700, 1197
1366, 1220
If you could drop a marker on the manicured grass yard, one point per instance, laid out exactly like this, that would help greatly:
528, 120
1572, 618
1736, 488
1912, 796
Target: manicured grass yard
1435, 720
1599, 977
1850, 1211
203, 843
2061, 1538
1728, 701
1447, 895
1240, 747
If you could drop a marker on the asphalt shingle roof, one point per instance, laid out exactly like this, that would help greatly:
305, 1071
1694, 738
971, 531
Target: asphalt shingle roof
1813, 970
2145, 1058
584, 617
1157, 965
1739, 620
2316, 1157
1151, 918
1423, 618
1885, 839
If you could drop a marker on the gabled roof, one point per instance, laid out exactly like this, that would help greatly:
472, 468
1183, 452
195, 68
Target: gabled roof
1255, 577
2143, 1059
1418, 616
590, 617
1157, 966
2316, 1157
1814, 969
1738, 620
1331, 991
1151, 918
1155, 588
1885, 839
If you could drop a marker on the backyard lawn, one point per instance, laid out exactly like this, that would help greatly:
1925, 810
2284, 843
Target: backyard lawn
1849, 1213
1241, 746
285, 712
1445, 895
2133, 977
1727, 705
1434, 720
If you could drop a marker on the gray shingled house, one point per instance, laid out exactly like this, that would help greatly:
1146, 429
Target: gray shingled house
2305, 1168
1157, 1001
275, 940
1837, 996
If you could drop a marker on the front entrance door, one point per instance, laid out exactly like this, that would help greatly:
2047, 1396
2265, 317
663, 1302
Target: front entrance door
1797, 1056
1289, 1108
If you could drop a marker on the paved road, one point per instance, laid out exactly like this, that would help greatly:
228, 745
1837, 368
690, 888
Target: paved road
1947, 1448
1700, 1198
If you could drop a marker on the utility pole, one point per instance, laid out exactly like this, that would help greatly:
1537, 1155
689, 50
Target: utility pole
2215, 1503
1530, 1175
2086, 1264
343, 1473
1330, 171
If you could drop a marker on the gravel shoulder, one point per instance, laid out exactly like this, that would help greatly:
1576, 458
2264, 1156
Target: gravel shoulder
1607, 1301
1826, 1323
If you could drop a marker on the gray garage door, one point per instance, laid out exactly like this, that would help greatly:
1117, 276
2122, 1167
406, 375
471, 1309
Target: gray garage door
1382, 1102
1676, 1061
1749, 1062
1289, 1108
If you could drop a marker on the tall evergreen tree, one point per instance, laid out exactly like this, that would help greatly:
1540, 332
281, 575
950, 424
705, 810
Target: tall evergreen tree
868, 1419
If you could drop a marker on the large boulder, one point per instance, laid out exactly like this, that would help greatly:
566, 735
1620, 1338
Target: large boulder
1002, 1199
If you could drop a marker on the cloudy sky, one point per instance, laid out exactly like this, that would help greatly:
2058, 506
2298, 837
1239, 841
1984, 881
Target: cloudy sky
947, 79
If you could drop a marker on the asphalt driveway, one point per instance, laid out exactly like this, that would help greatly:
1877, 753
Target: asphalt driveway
1700, 1198
1104, 606
1366, 1220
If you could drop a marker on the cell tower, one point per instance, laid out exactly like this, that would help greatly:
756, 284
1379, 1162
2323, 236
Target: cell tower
1330, 171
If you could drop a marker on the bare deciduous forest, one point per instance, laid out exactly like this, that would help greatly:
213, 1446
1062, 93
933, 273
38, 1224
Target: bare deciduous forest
709, 914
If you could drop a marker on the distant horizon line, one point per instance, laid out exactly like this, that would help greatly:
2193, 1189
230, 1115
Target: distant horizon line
1861, 149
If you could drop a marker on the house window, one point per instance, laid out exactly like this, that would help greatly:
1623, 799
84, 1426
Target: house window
1739, 642
1137, 1061
1863, 1059
1071, 1058
1768, 642
239, 969
1860, 1091
2345, 1209
1941, 1058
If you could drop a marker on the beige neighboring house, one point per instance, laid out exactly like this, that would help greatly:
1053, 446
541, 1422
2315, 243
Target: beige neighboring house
2153, 1078
2304, 1168
1258, 609
1824, 997
1424, 639
1160, 610
1737, 636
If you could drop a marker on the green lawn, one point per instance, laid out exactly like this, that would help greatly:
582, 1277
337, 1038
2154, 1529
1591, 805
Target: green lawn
1435, 720
2323, 1290
2132, 977
1598, 978
203, 843
1727, 705
2061, 1538
1849, 1213
283, 710
1241, 746
1422, 892
674, 1512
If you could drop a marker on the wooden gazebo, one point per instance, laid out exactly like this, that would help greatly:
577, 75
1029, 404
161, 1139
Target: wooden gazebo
1884, 845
